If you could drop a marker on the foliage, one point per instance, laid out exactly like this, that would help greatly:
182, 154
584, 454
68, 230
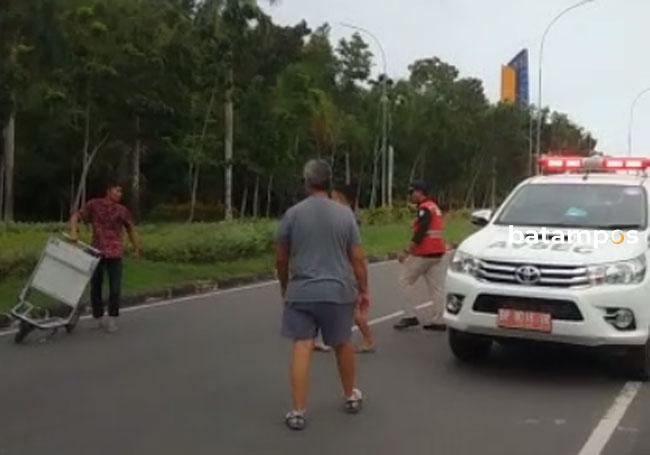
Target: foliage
145, 82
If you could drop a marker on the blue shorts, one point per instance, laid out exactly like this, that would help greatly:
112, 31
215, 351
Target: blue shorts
303, 320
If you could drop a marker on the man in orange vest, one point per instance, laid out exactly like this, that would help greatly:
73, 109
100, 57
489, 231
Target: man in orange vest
424, 259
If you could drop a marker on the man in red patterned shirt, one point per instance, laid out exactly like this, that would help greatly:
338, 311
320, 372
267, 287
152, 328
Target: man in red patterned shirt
109, 219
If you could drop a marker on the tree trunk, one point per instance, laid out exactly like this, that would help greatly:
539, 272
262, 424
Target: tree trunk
414, 167
72, 189
423, 165
229, 126
470, 192
391, 163
373, 190
244, 201
76, 205
383, 176
195, 172
256, 197
135, 171
2, 184
84, 163
348, 175
269, 190
195, 165
357, 201
9, 136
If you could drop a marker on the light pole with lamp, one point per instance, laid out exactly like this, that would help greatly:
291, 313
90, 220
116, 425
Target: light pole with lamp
538, 147
631, 124
386, 192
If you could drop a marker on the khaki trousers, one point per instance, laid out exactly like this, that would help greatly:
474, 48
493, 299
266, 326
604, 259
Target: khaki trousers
433, 271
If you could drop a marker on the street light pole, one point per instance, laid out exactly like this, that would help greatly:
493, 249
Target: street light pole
384, 112
631, 123
538, 148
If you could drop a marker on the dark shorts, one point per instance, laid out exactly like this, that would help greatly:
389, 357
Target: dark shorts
303, 320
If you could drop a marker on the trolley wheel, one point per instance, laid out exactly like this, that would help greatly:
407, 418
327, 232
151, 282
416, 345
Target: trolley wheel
24, 329
70, 326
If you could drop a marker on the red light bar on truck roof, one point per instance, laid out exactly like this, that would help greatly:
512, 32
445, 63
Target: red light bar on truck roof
580, 164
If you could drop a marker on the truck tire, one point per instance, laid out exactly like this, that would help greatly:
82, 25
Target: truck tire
467, 347
638, 362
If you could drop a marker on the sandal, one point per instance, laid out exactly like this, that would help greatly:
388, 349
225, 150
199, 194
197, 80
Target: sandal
365, 349
295, 421
354, 403
320, 347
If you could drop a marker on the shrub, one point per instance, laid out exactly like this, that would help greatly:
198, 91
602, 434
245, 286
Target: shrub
386, 215
179, 213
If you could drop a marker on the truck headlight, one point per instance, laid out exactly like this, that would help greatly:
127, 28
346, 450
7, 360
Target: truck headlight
464, 263
623, 272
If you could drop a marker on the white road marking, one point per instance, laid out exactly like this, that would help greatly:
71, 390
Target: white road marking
164, 303
606, 427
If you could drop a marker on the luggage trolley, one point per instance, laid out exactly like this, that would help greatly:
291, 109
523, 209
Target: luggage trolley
62, 275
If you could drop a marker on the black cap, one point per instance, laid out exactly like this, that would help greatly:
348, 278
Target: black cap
419, 185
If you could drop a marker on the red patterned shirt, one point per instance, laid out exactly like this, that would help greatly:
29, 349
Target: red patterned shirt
108, 220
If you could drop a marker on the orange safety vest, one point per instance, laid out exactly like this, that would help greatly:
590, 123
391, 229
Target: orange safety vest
434, 242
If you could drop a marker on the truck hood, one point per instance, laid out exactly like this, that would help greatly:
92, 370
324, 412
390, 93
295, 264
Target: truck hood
494, 243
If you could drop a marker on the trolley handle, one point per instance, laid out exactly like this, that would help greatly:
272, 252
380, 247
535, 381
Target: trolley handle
88, 248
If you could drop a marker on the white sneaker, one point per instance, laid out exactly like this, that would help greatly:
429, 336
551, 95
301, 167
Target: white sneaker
101, 323
354, 402
319, 346
111, 326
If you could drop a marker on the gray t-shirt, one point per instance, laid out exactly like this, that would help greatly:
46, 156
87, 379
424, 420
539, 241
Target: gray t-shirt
320, 234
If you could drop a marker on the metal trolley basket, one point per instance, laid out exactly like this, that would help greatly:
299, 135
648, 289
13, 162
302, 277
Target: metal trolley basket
61, 275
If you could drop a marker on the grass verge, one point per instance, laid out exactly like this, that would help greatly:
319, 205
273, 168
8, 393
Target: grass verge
145, 275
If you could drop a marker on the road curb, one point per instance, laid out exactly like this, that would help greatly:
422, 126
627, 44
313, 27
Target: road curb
197, 288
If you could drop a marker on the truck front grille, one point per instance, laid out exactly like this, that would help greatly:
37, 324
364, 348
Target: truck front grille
561, 276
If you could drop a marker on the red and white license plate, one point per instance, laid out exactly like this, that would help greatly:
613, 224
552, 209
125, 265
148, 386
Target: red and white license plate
525, 320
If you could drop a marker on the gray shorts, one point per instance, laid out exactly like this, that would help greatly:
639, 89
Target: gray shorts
303, 320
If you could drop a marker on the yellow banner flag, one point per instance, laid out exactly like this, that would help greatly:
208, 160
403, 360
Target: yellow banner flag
508, 84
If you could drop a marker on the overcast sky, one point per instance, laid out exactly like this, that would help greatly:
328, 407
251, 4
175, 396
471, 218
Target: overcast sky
595, 63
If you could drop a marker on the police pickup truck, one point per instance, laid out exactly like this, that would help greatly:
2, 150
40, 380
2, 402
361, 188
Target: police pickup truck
564, 260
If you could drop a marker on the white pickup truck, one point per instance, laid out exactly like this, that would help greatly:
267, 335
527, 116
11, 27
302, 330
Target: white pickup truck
584, 282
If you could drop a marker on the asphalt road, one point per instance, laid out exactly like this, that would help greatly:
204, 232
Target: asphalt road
209, 376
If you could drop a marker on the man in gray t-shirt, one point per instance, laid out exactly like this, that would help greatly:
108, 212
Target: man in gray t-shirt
323, 275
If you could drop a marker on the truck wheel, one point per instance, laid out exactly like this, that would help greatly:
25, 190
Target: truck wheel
24, 329
638, 362
467, 347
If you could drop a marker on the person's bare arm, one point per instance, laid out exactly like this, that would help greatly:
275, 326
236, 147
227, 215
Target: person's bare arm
74, 226
282, 266
133, 237
358, 260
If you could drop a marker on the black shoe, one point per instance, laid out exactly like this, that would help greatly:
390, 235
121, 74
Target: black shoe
405, 323
435, 327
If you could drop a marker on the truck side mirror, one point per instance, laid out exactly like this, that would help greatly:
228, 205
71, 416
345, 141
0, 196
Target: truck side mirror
481, 217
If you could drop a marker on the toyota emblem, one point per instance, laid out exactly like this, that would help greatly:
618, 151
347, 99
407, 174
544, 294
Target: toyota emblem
528, 274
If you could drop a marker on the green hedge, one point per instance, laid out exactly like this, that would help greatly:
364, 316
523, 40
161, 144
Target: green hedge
203, 243
199, 243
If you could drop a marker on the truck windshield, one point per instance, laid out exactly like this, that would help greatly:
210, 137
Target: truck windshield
588, 206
